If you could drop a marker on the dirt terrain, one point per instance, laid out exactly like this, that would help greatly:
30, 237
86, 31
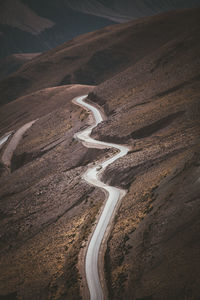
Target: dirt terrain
153, 251
106, 52
46, 209
13, 62
147, 75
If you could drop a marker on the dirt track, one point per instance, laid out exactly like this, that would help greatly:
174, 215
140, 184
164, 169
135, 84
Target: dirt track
8, 153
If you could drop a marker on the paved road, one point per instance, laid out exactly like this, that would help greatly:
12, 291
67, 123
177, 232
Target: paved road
114, 195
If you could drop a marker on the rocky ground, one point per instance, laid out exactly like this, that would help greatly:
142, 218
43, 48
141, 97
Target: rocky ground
47, 211
153, 250
147, 73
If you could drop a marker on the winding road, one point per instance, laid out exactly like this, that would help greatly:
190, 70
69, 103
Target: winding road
114, 195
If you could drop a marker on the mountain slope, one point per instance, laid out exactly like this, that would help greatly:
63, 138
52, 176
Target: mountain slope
28, 26
11, 63
100, 9
138, 9
46, 212
148, 74
122, 11
154, 106
13, 12
35, 26
106, 53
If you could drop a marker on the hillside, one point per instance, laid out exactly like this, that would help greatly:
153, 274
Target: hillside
106, 53
154, 106
122, 11
28, 26
145, 76
12, 63
46, 210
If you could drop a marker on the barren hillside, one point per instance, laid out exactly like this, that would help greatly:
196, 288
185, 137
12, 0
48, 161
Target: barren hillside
145, 75
106, 53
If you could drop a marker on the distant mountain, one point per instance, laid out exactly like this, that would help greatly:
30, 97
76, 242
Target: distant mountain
35, 26
28, 26
106, 52
140, 8
18, 15
105, 9
121, 11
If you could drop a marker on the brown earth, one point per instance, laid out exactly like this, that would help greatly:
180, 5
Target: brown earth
35, 105
46, 209
12, 63
148, 73
94, 57
153, 250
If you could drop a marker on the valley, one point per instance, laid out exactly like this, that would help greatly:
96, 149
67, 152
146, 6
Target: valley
141, 79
